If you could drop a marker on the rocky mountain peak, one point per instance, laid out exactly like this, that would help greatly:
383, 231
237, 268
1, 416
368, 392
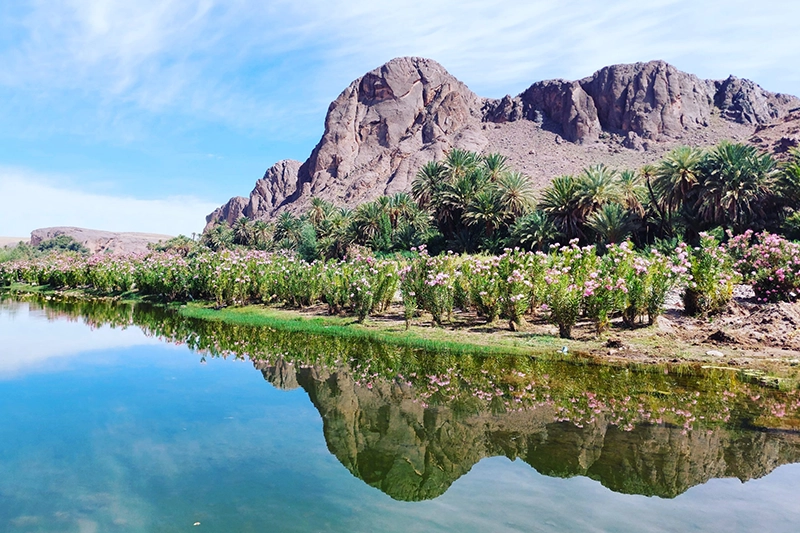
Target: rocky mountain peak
388, 123
385, 125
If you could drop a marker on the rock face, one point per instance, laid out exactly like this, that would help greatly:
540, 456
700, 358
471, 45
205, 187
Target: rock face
278, 187
388, 123
98, 241
649, 99
378, 133
744, 101
568, 105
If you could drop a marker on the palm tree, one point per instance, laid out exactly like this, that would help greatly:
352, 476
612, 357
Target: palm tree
789, 181
287, 229
597, 185
218, 237
318, 211
533, 231
262, 234
367, 221
495, 165
631, 192
611, 222
336, 233
454, 197
428, 182
242, 232
675, 178
484, 210
561, 202
737, 180
459, 162
400, 207
515, 194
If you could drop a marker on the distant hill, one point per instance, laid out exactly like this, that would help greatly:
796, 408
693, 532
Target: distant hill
98, 241
11, 241
389, 122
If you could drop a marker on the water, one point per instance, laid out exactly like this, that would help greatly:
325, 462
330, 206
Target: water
109, 422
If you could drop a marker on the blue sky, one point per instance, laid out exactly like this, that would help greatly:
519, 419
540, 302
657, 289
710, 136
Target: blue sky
143, 116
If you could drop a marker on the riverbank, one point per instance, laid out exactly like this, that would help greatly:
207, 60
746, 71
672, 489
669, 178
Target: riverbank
756, 339
748, 337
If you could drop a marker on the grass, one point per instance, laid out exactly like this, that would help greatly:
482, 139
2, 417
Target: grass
425, 338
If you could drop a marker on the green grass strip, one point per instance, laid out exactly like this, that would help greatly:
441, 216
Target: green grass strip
416, 337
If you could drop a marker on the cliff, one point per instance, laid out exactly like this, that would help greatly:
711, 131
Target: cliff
386, 124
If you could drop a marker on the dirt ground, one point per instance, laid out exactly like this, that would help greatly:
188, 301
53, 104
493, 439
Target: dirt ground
747, 336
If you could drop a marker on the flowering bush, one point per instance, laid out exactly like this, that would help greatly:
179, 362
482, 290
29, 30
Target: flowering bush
428, 283
565, 284
712, 277
649, 278
568, 283
484, 287
605, 286
770, 263
522, 273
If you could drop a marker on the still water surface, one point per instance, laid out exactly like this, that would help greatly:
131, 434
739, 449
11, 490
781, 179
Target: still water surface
126, 429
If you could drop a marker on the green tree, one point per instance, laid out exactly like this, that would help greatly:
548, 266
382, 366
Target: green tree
242, 232
514, 194
611, 223
484, 211
262, 235
219, 237
427, 183
495, 165
737, 181
597, 185
676, 177
287, 230
561, 202
533, 231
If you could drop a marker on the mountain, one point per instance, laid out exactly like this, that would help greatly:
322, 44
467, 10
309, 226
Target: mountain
98, 241
385, 125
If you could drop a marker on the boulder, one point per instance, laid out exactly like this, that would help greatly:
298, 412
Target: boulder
568, 105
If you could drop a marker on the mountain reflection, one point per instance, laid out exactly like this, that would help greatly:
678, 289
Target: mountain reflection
410, 452
410, 422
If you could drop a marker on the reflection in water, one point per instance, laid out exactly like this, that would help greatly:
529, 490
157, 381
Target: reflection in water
410, 422
21, 335
411, 452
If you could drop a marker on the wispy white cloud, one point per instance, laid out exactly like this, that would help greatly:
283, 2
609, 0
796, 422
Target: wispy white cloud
505, 45
253, 63
33, 201
156, 77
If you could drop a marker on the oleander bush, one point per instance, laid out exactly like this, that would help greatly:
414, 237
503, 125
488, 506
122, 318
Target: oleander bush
567, 284
770, 263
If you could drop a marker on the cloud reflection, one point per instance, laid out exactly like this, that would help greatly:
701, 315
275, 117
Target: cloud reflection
28, 346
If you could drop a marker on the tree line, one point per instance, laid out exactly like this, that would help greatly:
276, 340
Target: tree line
477, 203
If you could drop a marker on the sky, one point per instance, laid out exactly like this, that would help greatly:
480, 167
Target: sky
146, 115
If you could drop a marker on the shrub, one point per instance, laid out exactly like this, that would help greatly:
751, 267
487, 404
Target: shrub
770, 263
712, 277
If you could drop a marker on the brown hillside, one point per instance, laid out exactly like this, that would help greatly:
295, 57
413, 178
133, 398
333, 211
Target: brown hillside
388, 123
